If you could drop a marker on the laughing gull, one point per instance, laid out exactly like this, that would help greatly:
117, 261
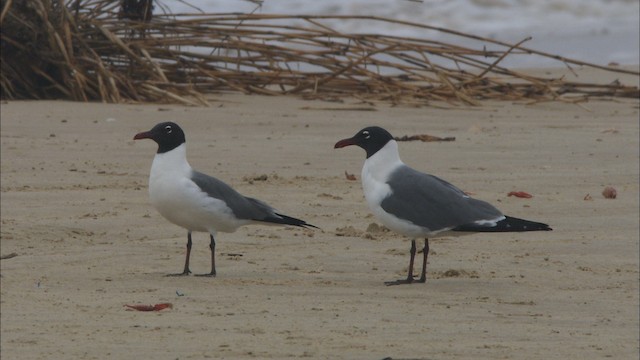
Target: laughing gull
416, 204
199, 202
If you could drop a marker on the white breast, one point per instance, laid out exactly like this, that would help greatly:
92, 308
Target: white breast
180, 200
375, 174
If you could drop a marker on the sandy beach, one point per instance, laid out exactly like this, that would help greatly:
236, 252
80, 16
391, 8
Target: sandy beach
75, 211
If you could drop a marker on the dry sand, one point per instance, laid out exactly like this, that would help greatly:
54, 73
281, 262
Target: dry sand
76, 212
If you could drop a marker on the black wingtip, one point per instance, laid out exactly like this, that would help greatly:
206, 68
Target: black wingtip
288, 220
508, 224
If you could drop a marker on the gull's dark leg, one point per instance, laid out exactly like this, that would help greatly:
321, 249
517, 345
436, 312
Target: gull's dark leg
212, 246
409, 278
425, 254
413, 256
186, 270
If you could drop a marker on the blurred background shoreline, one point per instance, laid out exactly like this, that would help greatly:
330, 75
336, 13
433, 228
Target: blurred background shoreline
604, 32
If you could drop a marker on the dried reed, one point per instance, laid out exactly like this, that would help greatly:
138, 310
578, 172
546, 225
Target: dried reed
93, 50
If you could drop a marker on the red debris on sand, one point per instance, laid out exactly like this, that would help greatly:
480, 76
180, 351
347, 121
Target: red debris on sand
609, 193
156, 307
520, 194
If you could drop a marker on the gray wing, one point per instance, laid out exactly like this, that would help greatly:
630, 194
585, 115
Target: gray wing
242, 207
433, 203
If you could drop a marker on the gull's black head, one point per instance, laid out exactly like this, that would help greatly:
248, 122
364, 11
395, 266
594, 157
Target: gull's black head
371, 139
168, 135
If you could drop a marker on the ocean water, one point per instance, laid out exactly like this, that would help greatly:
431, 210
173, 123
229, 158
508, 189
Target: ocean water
596, 31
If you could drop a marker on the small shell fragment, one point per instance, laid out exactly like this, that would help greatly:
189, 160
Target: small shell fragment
349, 176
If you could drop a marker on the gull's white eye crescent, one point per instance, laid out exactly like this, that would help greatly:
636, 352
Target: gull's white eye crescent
168, 129
366, 134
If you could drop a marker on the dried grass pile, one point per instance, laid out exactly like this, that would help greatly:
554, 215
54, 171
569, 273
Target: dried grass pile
118, 51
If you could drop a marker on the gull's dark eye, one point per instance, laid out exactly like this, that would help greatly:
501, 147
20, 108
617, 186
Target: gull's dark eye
366, 134
168, 129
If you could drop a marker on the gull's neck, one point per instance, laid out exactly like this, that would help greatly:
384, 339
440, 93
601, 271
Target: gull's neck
379, 165
171, 163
